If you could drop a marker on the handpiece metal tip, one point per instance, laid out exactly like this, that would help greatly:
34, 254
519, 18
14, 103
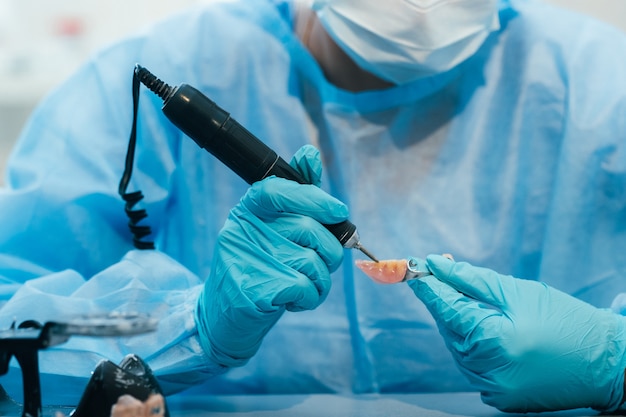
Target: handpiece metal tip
366, 252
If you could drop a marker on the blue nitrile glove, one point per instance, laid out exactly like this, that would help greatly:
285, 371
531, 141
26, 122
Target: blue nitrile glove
308, 162
524, 345
272, 255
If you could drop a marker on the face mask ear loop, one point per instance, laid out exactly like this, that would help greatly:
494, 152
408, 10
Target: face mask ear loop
131, 199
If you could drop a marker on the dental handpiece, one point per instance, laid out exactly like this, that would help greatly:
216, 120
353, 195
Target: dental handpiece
212, 128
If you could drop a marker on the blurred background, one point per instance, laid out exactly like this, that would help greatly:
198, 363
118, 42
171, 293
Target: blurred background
43, 41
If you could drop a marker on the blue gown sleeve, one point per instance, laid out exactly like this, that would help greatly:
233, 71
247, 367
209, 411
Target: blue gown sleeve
146, 281
65, 247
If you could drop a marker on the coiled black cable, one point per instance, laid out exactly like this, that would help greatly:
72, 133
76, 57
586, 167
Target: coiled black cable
154, 84
132, 198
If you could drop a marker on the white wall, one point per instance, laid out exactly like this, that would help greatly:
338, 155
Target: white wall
611, 11
42, 41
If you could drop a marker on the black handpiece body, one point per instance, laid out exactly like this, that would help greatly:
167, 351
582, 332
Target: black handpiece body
212, 128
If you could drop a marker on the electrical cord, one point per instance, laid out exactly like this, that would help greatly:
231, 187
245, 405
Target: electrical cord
138, 231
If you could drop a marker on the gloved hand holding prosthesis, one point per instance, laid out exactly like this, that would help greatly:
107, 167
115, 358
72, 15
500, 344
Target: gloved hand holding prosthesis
524, 345
273, 254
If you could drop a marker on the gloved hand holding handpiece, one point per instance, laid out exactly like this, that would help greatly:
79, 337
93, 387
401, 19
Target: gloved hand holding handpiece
273, 254
524, 345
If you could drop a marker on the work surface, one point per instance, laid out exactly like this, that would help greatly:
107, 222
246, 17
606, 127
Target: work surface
422, 405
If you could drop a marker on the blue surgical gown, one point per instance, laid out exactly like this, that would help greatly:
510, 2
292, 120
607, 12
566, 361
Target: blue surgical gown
515, 160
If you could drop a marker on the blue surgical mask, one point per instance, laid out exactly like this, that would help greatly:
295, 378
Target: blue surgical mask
404, 40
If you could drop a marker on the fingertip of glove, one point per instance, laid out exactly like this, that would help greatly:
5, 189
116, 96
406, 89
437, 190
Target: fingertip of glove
341, 210
308, 149
425, 288
439, 265
413, 283
417, 284
308, 161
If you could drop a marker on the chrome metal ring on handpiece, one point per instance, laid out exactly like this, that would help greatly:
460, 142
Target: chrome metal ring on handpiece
354, 242
415, 269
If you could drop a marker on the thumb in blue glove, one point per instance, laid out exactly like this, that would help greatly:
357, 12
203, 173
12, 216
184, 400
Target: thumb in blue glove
308, 162
273, 254
526, 346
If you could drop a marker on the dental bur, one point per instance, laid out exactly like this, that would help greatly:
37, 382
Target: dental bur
212, 128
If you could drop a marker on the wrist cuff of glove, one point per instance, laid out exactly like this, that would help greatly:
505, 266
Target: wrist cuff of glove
204, 334
616, 363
